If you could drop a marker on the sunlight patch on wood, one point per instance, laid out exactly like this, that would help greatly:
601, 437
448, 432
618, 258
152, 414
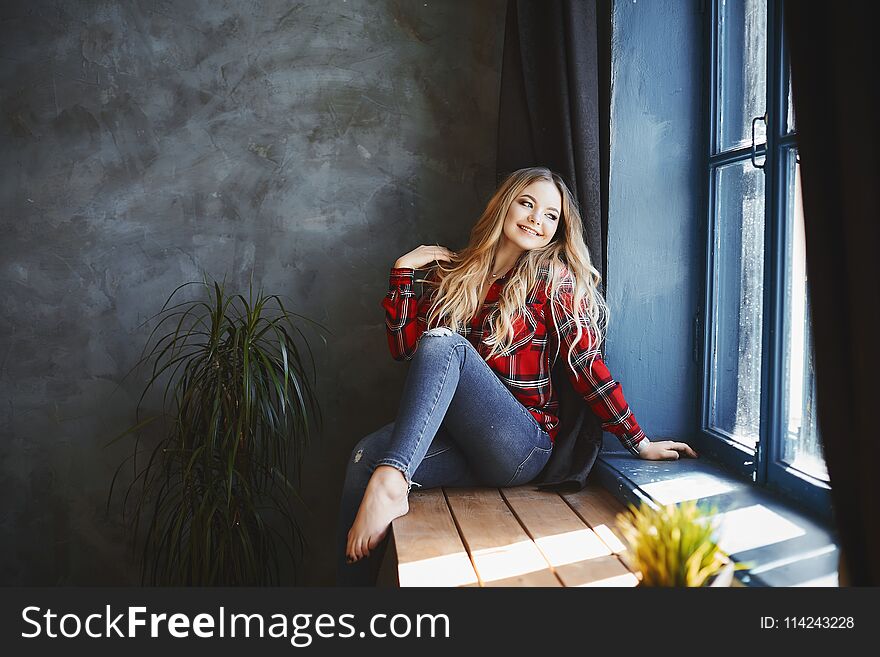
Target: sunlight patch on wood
446, 570
609, 538
624, 580
510, 560
572, 546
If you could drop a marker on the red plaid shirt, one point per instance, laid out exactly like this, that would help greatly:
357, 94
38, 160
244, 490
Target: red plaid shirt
525, 368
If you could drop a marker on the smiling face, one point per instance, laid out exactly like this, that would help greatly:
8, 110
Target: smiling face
533, 216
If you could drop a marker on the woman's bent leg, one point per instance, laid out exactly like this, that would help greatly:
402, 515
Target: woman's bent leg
443, 465
450, 383
500, 439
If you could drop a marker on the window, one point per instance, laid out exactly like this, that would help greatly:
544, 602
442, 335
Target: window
759, 393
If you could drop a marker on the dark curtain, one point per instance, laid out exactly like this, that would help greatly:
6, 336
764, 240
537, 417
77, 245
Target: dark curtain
833, 65
555, 102
555, 112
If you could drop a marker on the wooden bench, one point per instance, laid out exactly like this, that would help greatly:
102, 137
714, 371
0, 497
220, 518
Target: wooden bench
508, 537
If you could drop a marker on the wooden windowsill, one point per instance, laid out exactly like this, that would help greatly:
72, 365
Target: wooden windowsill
516, 536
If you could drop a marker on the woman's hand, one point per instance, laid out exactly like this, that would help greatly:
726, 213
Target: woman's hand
666, 450
423, 255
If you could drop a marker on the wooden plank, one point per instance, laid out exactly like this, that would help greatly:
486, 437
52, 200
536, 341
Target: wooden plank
429, 549
501, 551
577, 555
599, 509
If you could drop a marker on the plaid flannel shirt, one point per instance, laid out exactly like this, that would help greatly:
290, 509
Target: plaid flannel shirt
525, 367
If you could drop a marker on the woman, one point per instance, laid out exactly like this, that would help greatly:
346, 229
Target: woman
476, 409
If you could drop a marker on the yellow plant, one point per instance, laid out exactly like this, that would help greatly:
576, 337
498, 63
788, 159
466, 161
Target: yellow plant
674, 545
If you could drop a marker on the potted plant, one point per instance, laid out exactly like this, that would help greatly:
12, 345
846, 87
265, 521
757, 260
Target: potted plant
674, 545
215, 492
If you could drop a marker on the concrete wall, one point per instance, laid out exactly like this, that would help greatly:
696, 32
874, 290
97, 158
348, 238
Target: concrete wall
655, 236
143, 143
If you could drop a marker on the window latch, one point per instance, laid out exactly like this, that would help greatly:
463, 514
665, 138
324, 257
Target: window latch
754, 147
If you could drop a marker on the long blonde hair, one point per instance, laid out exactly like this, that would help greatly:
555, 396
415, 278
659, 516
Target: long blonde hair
572, 281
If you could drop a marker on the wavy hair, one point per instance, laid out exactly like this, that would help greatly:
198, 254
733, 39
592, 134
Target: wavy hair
572, 284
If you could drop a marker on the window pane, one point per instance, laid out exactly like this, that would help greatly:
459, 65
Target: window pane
802, 448
738, 284
742, 72
789, 123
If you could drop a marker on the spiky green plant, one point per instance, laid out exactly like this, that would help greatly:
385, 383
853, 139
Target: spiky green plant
239, 409
674, 545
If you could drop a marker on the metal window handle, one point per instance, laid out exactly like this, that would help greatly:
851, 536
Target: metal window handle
754, 147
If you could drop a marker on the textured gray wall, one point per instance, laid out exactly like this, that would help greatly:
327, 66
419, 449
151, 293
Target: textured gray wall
310, 143
655, 243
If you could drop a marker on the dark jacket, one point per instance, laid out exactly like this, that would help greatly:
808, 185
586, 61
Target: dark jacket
578, 442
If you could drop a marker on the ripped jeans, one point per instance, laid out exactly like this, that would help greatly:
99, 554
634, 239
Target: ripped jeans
457, 425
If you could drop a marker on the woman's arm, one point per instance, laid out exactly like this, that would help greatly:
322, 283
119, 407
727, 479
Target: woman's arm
402, 322
592, 380
590, 376
405, 318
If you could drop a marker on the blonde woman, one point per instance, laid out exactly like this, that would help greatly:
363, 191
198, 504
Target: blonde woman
478, 407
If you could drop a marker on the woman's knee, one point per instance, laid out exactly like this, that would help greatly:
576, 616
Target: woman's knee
440, 331
440, 339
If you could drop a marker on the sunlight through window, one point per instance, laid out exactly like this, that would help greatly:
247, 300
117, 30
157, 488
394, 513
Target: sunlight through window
753, 527
571, 547
619, 580
511, 560
446, 570
609, 538
688, 487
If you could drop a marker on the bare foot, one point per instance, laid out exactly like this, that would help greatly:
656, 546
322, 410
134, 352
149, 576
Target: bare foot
385, 499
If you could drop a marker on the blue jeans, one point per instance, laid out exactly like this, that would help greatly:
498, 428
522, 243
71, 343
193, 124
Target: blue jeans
458, 425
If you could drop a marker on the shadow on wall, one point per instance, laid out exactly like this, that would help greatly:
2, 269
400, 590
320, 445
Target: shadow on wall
310, 147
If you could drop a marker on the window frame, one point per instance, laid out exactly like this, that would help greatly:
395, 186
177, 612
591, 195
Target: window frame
764, 465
